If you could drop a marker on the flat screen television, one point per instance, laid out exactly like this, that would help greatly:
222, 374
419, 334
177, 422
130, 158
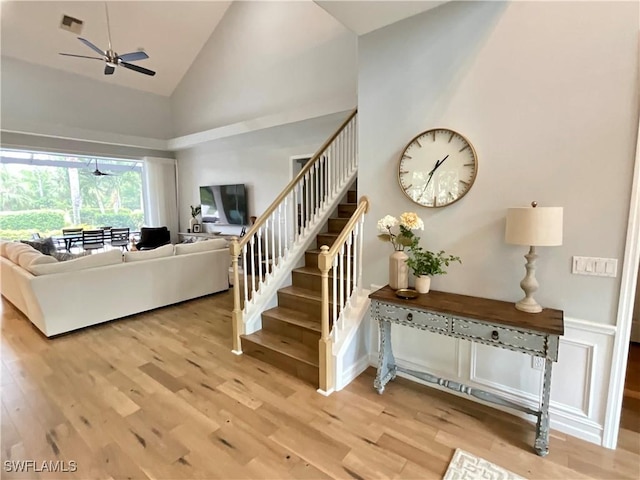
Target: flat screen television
224, 204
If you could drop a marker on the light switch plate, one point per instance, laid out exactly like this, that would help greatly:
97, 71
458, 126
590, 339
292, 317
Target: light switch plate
595, 266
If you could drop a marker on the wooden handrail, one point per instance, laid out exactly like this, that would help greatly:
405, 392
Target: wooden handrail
290, 186
363, 207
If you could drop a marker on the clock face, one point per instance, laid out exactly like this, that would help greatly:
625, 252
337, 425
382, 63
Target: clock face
437, 168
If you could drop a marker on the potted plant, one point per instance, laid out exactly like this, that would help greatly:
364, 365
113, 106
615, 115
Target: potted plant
425, 264
195, 211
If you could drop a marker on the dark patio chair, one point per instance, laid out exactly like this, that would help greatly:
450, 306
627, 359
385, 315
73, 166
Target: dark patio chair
92, 239
120, 238
71, 237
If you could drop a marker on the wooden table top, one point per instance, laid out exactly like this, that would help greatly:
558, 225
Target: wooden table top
494, 311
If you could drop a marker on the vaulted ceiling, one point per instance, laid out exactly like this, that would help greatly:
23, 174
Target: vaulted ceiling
172, 33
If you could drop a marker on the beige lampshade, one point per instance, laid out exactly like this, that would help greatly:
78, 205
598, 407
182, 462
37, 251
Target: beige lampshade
534, 226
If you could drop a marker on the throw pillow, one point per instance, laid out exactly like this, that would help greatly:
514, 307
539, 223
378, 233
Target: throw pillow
44, 245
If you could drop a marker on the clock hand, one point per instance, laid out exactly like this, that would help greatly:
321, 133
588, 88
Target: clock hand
438, 163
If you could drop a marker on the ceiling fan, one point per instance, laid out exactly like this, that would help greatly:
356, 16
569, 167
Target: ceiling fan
111, 58
98, 173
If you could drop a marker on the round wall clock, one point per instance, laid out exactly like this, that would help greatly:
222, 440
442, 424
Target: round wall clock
437, 168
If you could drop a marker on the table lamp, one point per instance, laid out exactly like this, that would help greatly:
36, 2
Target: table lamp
537, 227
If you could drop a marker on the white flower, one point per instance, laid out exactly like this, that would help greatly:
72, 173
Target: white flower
384, 224
411, 221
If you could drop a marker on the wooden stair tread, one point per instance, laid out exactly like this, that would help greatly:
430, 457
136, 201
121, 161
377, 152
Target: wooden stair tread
284, 345
295, 317
302, 292
308, 270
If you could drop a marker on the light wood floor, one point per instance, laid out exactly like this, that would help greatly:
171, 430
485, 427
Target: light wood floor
160, 395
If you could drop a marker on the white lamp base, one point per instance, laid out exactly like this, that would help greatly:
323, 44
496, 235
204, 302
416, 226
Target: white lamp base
530, 285
528, 305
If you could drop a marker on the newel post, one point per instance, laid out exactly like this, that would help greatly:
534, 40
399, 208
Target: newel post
236, 316
325, 344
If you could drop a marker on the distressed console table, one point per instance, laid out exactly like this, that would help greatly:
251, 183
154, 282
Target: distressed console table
490, 322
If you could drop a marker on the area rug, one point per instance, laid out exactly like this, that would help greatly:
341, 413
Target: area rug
466, 466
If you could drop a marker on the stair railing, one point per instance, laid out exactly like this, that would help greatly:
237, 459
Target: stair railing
287, 222
344, 261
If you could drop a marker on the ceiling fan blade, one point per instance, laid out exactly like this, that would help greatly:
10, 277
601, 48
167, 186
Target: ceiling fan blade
80, 56
136, 68
133, 56
109, 69
92, 46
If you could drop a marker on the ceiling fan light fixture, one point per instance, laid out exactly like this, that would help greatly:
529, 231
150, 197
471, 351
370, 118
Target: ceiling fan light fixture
111, 58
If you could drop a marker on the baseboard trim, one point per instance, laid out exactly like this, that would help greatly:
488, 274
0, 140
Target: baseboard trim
353, 372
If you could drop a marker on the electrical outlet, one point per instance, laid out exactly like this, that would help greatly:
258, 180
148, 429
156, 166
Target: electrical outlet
537, 363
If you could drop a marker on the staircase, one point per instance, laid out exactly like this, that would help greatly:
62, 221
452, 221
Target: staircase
290, 333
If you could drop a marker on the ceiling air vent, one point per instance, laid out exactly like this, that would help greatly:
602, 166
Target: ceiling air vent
71, 24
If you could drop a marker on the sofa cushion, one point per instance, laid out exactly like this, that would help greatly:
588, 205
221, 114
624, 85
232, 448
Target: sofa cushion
14, 249
65, 256
3, 248
112, 257
30, 258
213, 244
164, 251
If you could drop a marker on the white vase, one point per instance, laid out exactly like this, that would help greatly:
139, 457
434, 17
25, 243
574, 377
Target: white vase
423, 283
398, 270
192, 222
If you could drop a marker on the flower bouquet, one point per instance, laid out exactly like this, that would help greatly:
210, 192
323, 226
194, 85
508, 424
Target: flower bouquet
399, 233
403, 237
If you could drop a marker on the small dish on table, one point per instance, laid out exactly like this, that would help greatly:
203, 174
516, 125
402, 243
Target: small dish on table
407, 293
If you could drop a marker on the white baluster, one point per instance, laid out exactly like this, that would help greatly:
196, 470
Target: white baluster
355, 144
349, 266
252, 260
356, 263
265, 250
307, 181
335, 289
281, 220
318, 197
296, 213
324, 180
360, 229
273, 241
342, 300
259, 261
244, 276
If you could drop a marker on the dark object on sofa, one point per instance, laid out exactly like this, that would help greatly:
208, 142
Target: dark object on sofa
153, 237
44, 245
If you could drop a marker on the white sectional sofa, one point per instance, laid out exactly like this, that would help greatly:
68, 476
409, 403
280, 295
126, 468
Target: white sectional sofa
59, 297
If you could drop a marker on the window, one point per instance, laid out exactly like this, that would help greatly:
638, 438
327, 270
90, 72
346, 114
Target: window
43, 192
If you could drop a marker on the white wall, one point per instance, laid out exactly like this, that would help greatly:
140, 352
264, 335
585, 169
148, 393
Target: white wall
42, 100
260, 160
547, 93
265, 58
